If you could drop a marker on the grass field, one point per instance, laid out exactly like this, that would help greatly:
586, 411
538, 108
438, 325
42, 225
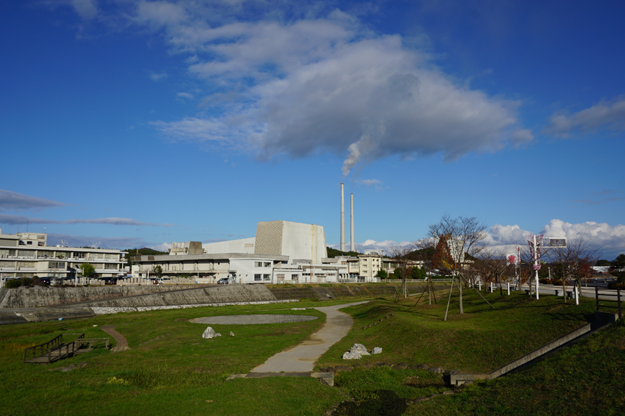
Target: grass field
171, 370
480, 340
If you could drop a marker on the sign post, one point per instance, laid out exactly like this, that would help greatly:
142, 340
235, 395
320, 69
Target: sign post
535, 242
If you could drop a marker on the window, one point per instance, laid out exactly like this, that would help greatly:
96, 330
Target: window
258, 264
257, 277
280, 276
110, 266
26, 253
26, 264
7, 253
294, 277
56, 265
266, 277
267, 264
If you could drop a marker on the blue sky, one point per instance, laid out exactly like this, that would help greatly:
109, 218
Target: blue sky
138, 123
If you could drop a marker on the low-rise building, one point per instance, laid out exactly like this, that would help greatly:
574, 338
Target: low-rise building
28, 255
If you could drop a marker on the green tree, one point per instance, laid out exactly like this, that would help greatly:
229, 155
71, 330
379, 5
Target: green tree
619, 262
382, 274
158, 271
87, 270
417, 273
603, 263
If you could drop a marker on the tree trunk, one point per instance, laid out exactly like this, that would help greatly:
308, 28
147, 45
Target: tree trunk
460, 291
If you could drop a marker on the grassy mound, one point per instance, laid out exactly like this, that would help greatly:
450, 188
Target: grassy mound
585, 379
480, 340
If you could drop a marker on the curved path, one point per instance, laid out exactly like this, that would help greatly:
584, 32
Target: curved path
302, 357
121, 343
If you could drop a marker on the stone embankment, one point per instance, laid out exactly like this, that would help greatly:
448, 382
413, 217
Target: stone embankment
130, 296
342, 291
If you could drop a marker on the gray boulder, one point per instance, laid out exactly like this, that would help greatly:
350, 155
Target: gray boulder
376, 350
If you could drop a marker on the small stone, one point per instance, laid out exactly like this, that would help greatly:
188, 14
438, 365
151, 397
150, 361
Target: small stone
217, 334
376, 350
401, 366
448, 392
231, 333
435, 370
423, 367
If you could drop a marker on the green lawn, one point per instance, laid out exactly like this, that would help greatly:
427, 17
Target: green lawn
171, 370
480, 340
585, 379
169, 367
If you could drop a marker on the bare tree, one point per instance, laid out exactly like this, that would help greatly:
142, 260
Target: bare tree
464, 235
400, 255
424, 253
574, 261
493, 266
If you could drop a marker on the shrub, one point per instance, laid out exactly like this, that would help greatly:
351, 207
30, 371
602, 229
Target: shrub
13, 283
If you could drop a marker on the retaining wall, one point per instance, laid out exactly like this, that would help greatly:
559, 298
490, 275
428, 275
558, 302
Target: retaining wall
42, 296
338, 291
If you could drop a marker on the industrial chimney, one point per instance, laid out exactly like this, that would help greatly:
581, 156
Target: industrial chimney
342, 220
352, 239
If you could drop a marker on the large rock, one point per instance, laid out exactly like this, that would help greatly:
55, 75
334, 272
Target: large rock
209, 333
359, 349
351, 356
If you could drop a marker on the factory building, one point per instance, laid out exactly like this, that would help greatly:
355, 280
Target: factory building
281, 252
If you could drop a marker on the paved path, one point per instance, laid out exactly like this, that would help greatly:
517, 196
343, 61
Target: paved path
302, 357
121, 344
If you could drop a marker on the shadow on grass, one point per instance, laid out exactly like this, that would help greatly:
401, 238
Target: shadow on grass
380, 402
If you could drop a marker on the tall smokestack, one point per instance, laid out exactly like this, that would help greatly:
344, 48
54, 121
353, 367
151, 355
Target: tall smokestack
352, 239
342, 220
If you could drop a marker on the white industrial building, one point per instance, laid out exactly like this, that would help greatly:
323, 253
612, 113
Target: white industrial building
281, 252
27, 255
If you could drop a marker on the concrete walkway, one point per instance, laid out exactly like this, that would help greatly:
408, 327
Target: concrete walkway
302, 357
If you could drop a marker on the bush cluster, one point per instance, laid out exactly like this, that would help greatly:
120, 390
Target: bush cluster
13, 283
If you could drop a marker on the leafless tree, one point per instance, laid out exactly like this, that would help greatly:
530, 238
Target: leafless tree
574, 261
424, 249
400, 255
493, 266
465, 235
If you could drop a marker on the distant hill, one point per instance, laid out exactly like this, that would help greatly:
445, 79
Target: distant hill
133, 252
337, 253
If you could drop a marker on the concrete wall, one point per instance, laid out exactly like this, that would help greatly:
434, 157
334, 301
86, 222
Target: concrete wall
245, 246
293, 239
132, 296
35, 297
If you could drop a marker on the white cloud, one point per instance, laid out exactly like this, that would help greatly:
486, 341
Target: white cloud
156, 77
371, 182
87, 9
162, 247
102, 242
606, 114
326, 84
13, 201
609, 239
19, 219
185, 95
